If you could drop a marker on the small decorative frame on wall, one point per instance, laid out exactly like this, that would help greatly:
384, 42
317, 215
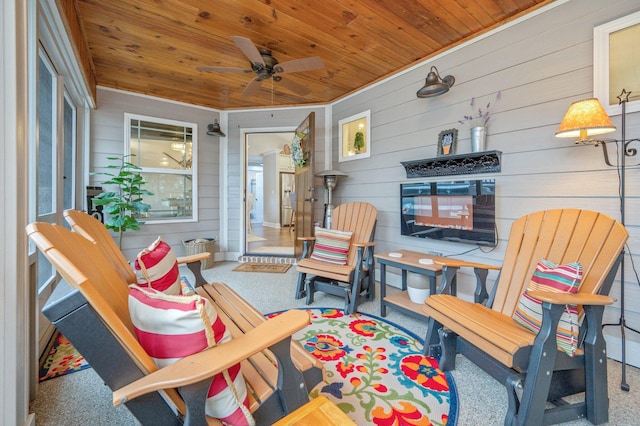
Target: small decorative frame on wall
354, 137
616, 60
447, 140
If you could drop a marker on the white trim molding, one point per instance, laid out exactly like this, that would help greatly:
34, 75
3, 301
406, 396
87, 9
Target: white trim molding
602, 65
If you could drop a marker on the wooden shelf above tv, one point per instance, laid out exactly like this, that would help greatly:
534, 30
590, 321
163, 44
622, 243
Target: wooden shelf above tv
460, 164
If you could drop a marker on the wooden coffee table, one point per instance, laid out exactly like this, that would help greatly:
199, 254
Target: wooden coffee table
318, 411
407, 261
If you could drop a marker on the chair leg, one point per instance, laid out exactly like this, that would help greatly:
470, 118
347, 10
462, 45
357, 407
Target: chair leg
514, 392
448, 343
300, 286
541, 361
350, 302
595, 352
310, 289
372, 284
291, 220
431, 340
352, 296
353, 292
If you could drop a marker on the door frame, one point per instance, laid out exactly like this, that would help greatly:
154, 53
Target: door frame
243, 176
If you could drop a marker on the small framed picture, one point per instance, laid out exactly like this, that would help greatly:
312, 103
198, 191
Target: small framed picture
447, 142
354, 137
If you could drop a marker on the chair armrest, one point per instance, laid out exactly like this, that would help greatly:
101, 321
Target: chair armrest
194, 264
306, 241
367, 244
449, 277
458, 263
194, 257
570, 298
198, 367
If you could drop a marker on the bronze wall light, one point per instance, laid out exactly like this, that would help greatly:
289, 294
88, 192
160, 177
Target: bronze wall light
214, 129
434, 85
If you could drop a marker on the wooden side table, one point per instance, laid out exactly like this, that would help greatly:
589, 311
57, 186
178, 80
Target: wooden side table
318, 411
408, 262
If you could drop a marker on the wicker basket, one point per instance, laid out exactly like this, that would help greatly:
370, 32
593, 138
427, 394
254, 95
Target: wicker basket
201, 245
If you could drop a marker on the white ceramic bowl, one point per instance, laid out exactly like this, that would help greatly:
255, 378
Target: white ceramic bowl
417, 295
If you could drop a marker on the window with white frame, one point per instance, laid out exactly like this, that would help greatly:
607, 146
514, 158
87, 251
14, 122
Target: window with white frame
55, 160
165, 150
46, 158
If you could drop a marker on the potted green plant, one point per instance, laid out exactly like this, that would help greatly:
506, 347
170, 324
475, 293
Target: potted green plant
124, 205
358, 142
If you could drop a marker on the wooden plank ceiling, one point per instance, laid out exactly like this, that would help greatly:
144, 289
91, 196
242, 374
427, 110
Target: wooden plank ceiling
155, 46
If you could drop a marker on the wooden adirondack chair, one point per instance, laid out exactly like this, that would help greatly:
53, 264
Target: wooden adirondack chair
536, 373
240, 314
354, 281
114, 352
95, 231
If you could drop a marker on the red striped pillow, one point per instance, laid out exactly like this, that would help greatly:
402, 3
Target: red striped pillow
559, 279
157, 267
170, 327
331, 246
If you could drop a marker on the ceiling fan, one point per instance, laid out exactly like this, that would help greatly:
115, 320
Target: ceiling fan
266, 66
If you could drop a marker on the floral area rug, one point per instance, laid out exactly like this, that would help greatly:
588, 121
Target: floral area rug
376, 372
61, 358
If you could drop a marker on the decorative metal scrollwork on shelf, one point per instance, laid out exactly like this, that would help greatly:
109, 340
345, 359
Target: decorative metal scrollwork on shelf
461, 164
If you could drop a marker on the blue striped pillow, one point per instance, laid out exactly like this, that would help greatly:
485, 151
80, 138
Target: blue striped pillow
331, 246
559, 279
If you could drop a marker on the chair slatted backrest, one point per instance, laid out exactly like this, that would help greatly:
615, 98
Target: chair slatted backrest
84, 267
560, 236
94, 230
359, 218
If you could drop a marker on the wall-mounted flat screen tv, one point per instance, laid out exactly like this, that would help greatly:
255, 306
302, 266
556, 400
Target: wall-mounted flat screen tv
459, 211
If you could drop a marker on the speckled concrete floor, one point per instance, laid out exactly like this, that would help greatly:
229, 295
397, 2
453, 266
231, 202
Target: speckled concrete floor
81, 398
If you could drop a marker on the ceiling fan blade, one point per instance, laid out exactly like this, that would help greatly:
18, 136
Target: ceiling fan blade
249, 49
222, 69
252, 88
299, 65
296, 88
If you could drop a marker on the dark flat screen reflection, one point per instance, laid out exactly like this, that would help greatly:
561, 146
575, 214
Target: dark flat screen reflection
460, 211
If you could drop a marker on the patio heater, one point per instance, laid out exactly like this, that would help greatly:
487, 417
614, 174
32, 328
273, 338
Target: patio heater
330, 178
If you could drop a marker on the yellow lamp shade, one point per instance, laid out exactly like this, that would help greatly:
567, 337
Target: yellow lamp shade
583, 119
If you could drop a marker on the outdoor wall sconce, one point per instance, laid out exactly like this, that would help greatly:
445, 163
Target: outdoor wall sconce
214, 129
434, 85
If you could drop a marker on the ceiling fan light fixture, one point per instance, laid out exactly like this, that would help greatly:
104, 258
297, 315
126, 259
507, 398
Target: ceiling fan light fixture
435, 85
265, 66
214, 129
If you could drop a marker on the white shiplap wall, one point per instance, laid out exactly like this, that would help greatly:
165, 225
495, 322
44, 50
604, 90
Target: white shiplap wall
540, 65
107, 139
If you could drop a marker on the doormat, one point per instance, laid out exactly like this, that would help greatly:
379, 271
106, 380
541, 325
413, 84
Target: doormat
280, 268
62, 358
